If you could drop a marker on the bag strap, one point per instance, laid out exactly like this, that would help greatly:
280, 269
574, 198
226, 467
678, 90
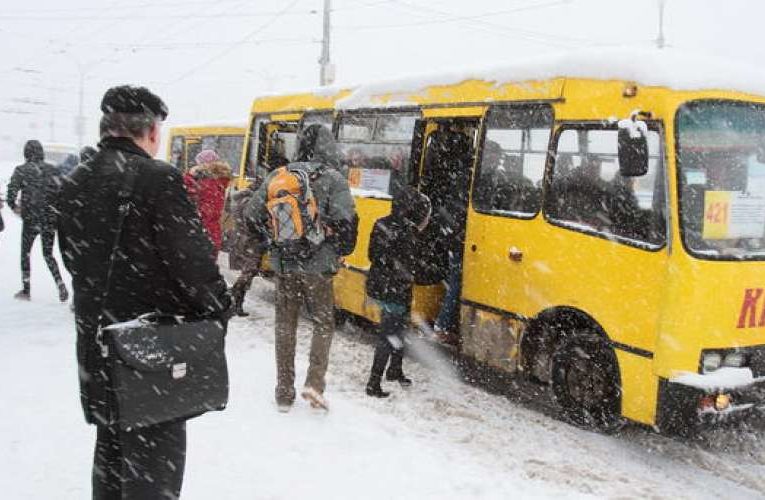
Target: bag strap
124, 195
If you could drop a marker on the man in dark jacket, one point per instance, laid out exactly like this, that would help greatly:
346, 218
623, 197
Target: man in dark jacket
163, 264
38, 183
393, 255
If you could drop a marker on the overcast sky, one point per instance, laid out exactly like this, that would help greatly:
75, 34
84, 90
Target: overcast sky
209, 58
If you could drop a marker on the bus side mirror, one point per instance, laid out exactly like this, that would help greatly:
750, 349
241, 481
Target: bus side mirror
633, 148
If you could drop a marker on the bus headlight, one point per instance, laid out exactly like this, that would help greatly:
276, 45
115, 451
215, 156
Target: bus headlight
733, 360
711, 361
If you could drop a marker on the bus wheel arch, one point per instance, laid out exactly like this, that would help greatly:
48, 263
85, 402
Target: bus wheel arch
581, 366
543, 334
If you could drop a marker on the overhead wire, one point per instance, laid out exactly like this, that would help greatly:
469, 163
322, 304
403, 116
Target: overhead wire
233, 47
445, 17
46, 49
165, 5
162, 46
185, 25
514, 31
148, 16
133, 6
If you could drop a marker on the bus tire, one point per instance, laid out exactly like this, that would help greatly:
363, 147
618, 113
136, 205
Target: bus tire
585, 381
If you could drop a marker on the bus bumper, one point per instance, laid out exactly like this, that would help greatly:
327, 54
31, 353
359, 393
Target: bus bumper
690, 399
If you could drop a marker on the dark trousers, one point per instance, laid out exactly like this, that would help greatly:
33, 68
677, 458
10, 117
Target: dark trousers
390, 345
29, 233
142, 464
250, 269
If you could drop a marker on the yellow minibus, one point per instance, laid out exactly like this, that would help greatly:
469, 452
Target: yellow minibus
184, 142
609, 214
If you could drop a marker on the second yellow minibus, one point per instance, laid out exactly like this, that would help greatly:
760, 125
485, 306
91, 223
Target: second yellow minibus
185, 142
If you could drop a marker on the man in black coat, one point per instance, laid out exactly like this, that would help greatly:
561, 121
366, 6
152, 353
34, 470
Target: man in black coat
38, 183
163, 264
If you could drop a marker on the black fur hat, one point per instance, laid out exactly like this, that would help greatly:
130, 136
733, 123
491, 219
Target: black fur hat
130, 99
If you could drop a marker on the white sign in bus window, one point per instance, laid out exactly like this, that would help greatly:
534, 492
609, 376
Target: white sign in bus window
747, 216
369, 179
733, 214
375, 179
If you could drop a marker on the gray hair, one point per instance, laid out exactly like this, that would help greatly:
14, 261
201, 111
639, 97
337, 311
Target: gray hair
134, 125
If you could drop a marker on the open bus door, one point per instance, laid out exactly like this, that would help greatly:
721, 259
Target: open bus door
193, 148
446, 156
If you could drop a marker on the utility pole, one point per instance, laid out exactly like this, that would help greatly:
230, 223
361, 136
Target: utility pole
79, 124
326, 70
660, 36
52, 115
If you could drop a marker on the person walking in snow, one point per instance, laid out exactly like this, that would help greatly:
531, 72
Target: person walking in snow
206, 183
248, 249
308, 276
164, 266
392, 253
38, 182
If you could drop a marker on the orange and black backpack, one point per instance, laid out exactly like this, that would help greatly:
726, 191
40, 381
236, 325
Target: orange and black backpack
296, 229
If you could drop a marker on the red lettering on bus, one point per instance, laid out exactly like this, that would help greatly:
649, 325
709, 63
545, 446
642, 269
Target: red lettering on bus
749, 308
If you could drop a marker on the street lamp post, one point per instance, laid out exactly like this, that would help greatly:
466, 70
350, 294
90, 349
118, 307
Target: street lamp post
79, 120
79, 124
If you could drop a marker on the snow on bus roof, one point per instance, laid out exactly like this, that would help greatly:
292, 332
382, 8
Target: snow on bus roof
671, 68
59, 146
213, 124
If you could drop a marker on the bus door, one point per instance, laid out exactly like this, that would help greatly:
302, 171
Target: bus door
445, 173
272, 140
177, 152
193, 148
280, 144
505, 203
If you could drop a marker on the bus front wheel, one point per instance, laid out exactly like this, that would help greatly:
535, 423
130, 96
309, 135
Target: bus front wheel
585, 380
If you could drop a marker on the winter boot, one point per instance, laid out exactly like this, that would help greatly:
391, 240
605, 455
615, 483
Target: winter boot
63, 294
285, 398
444, 336
239, 305
22, 295
238, 293
374, 390
395, 373
284, 406
315, 398
402, 379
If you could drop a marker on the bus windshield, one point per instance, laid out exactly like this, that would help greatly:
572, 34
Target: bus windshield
721, 165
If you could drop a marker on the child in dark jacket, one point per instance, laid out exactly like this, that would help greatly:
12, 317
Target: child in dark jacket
392, 254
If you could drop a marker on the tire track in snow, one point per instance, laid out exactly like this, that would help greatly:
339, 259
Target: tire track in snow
520, 433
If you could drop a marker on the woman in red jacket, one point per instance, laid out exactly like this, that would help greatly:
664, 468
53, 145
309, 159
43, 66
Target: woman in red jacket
206, 183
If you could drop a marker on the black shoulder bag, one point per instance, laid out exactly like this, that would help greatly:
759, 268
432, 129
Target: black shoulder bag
160, 367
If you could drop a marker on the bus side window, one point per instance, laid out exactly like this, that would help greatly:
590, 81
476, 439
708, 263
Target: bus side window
513, 161
587, 192
229, 147
375, 152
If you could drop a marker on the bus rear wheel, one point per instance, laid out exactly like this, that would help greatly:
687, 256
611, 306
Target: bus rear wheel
585, 380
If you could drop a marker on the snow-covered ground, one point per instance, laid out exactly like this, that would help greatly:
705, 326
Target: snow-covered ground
440, 439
